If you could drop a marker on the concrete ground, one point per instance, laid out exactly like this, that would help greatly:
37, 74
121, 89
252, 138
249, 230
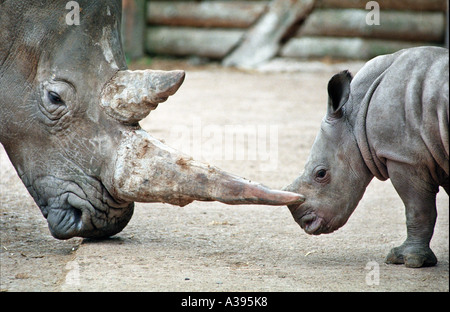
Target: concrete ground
212, 246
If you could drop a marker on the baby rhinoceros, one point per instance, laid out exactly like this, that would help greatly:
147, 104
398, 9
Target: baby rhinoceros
389, 121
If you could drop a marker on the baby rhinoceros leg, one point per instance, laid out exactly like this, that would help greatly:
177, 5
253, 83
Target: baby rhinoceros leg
419, 197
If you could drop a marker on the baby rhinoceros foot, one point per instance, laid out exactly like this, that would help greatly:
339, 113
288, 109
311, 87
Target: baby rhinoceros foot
412, 256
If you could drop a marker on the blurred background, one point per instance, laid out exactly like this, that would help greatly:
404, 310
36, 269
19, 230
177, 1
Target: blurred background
247, 33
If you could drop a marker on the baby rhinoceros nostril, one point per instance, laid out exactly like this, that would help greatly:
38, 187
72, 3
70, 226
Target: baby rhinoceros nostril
307, 220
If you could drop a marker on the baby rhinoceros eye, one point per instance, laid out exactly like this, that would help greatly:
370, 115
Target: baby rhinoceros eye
321, 174
55, 98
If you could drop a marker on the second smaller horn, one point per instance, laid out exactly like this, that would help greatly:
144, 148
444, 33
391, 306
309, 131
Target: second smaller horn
132, 94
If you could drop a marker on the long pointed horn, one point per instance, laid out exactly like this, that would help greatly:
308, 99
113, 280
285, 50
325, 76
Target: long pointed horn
132, 94
146, 170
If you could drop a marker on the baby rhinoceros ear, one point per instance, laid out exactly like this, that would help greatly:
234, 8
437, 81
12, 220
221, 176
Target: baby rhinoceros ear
338, 93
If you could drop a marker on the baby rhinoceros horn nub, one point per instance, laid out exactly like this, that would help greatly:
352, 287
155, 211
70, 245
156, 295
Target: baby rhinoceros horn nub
146, 170
131, 94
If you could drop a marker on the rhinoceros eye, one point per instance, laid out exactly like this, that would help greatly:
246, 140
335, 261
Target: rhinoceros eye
322, 176
55, 98
321, 173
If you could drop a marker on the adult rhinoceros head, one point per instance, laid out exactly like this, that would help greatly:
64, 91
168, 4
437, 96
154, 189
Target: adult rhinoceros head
69, 113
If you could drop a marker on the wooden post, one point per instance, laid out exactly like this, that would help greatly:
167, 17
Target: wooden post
343, 48
133, 26
213, 43
262, 41
399, 5
220, 14
446, 28
395, 25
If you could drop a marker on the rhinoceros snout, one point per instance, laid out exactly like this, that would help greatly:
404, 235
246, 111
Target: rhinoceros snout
83, 208
64, 221
308, 220
69, 221
312, 224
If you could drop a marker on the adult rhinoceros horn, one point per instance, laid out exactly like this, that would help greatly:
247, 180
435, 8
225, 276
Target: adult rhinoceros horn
132, 94
146, 170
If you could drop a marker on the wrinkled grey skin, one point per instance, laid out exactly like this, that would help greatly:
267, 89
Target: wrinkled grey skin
41, 54
389, 121
69, 113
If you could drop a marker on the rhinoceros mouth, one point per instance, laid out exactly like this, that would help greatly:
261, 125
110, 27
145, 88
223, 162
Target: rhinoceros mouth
86, 211
312, 224
309, 220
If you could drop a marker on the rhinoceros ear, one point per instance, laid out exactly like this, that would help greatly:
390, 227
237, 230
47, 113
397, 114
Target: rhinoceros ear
338, 93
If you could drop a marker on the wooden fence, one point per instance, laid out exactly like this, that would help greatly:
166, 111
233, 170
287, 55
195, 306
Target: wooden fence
245, 33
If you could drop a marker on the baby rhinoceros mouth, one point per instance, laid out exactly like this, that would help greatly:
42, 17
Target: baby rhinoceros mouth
308, 220
312, 224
